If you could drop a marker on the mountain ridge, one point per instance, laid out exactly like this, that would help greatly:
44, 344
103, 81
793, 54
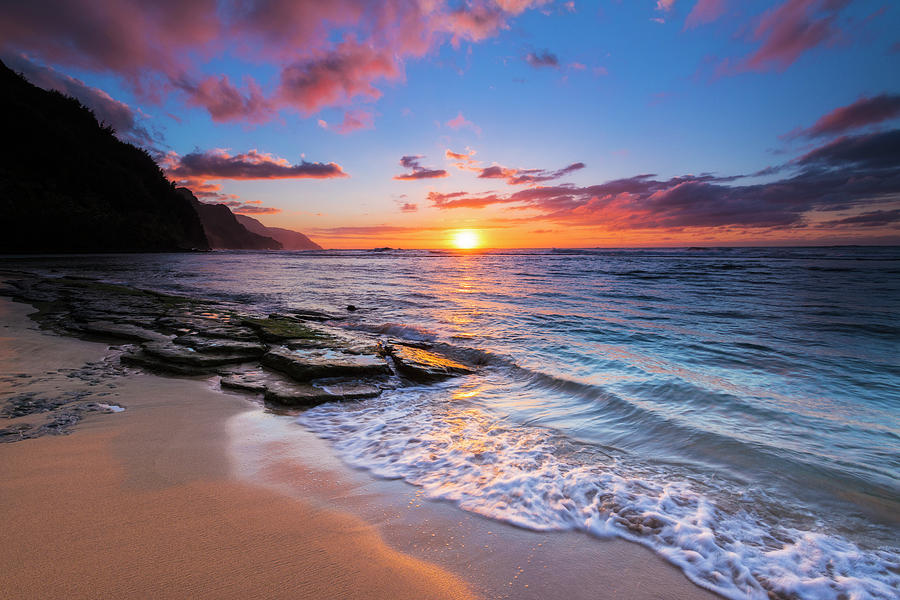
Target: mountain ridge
91, 193
289, 239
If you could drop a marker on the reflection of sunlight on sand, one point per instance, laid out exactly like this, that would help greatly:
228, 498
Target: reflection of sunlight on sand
273, 451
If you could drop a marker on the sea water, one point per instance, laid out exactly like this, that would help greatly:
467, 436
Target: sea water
736, 410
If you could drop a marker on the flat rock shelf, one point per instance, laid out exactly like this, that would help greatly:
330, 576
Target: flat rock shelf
292, 360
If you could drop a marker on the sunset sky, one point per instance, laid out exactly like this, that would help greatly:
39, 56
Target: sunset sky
531, 123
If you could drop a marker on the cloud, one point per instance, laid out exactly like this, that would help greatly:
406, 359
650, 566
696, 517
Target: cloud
664, 5
417, 171
465, 200
460, 122
325, 54
126, 121
877, 218
219, 164
704, 11
862, 152
464, 162
791, 29
527, 176
409, 207
225, 102
846, 173
346, 73
863, 112
354, 120
459, 155
542, 59
252, 209
127, 37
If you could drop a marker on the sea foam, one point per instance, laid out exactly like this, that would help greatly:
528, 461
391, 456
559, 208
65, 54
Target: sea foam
724, 537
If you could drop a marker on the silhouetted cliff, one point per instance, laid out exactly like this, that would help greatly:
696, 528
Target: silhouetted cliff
289, 239
222, 228
68, 185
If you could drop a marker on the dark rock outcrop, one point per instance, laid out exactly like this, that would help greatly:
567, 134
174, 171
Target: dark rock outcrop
67, 184
289, 361
422, 365
280, 390
222, 228
289, 239
305, 365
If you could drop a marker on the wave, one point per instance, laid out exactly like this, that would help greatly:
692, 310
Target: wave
734, 540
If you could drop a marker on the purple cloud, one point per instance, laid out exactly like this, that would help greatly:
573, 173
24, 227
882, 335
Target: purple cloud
542, 59
791, 29
848, 172
863, 112
417, 171
219, 164
527, 176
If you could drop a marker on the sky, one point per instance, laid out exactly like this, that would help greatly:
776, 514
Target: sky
524, 123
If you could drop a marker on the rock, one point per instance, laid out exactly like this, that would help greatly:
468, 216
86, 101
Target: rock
314, 315
185, 355
122, 331
422, 365
299, 394
278, 328
220, 346
227, 329
152, 363
336, 338
29, 404
278, 389
16, 433
304, 365
245, 382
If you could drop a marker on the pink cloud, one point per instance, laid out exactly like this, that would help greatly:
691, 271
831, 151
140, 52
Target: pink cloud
337, 77
664, 5
460, 122
417, 171
252, 209
791, 29
225, 102
843, 175
219, 164
863, 112
704, 11
354, 120
527, 176
164, 46
464, 162
127, 37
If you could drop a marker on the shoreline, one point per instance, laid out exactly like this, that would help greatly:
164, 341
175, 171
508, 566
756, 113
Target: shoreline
181, 457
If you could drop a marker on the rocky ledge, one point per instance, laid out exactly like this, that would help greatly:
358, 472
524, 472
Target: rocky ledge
298, 359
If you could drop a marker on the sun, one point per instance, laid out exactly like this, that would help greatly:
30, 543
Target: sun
466, 239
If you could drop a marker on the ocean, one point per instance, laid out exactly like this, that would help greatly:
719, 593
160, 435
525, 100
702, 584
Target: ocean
737, 410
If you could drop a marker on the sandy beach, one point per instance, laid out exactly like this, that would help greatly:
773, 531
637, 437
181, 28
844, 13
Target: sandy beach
192, 492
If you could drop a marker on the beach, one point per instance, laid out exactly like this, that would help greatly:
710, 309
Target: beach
161, 499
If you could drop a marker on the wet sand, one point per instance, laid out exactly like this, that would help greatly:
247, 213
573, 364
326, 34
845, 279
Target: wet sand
191, 492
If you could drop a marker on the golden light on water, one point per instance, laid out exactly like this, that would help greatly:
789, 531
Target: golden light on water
466, 239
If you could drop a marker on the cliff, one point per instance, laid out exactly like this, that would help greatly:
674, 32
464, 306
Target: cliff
289, 239
68, 185
222, 228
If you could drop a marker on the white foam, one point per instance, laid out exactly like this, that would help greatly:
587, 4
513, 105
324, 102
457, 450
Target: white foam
111, 407
527, 476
